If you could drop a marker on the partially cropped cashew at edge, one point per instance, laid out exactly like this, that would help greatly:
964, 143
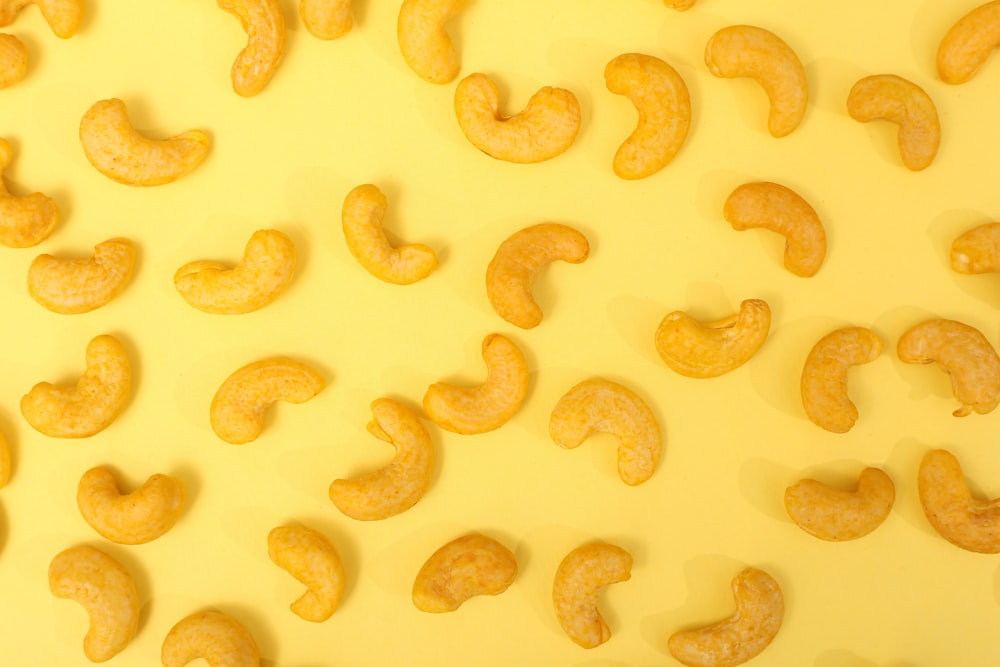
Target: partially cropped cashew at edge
327, 19
966, 521
217, 638
968, 44
425, 44
977, 250
24, 221
63, 16
264, 23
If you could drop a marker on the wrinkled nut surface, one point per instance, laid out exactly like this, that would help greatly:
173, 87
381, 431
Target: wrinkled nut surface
544, 128
602, 406
511, 274
750, 51
962, 352
13, 60
72, 286
24, 221
425, 44
240, 405
138, 517
219, 639
63, 16
837, 515
312, 559
977, 250
487, 406
397, 486
897, 100
463, 568
256, 63
662, 100
710, 349
106, 590
967, 45
327, 19
577, 586
89, 406
967, 522
823, 385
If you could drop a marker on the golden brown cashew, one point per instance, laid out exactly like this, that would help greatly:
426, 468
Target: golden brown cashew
132, 518
968, 43
425, 44
977, 250
327, 19
24, 221
967, 522
13, 60
71, 286
962, 352
836, 514
577, 584
895, 99
264, 23
313, 560
824, 376
463, 568
217, 638
63, 16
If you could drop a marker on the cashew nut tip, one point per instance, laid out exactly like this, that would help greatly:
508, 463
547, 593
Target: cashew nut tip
965, 521
602, 406
13, 60
24, 221
837, 515
327, 19
577, 585
824, 376
63, 16
312, 559
463, 568
106, 590
425, 44
218, 638
138, 517
72, 286
962, 352
264, 23
680, 5
977, 250
546, 127
968, 43
397, 486
897, 100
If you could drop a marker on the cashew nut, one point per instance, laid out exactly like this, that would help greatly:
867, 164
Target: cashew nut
13, 60
24, 221
577, 585
977, 250
545, 128
264, 23
71, 286
962, 352
824, 376
705, 350
965, 521
895, 99
132, 518
463, 568
309, 557
327, 19
89, 406
217, 638
837, 514
425, 44
664, 105
968, 43
63, 16
106, 590
397, 486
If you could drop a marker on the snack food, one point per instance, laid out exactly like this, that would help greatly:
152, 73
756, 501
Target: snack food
327, 19
836, 514
312, 559
465, 567
13, 60
24, 221
577, 584
425, 44
965, 521
264, 23
967, 45
218, 638
138, 517
824, 376
63, 16
900, 101
72, 286
977, 250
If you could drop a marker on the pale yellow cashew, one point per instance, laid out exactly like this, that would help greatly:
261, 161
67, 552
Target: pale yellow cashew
662, 100
425, 44
24, 221
577, 585
89, 406
63, 16
106, 590
977, 250
463, 568
967, 522
13, 60
750, 51
327, 19
138, 517
897, 100
240, 405
838, 515
72, 286
217, 638
710, 349
823, 385
602, 406
397, 486
962, 352
544, 128
261, 276
968, 43
511, 274
264, 23
309, 557
680, 5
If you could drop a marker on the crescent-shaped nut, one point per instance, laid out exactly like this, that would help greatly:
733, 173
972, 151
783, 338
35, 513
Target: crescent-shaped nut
106, 590
511, 274
425, 44
63, 16
312, 559
824, 376
897, 100
487, 406
977, 250
838, 515
327, 19
967, 522
72, 286
138, 517
662, 100
218, 638
710, 349
577, 585
240, 405
967, 45
89, 406
13, 60
261, 276
750, 51
264, 23
463, 568
962, 352
602, 406
24, 221
544, 128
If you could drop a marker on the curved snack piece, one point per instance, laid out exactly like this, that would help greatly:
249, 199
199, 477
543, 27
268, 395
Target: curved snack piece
977, 250
545, 128
217, 638
490, 405
106, 590
966, 522
364, 209
309, 557
425, 44
13, 60
511, 274
89, 406
824, 376
327, 19
24, 221
463, 568
750, 51
72, 286
264, 24
132, 518
398, 486
968, 43
260, 277
577, 584
895, 99
662, 100
599, 405
962, 352
704, 350
838, 515
63, 16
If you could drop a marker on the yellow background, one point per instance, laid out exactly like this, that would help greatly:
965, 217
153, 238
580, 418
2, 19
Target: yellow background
341, 113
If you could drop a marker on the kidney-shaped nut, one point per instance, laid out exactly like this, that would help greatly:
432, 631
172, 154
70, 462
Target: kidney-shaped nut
24, 221
965, 521
577, 585
89, 406
602, 406
256, 63
327, 19
138, 517
106, 590
425, 44
80, 285
218, 638
13, 60
710, 349
836, 514
463, 568
63, 16
900, 101
977, 250
962, 352
823, 385
312, 559
967, 45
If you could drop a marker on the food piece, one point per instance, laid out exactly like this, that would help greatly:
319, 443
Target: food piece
897, 100
264, 24
837, 515
680, 5
219, 639
24, 221
72, 286
13, 60
977, 250
577, 584
968, 43
966, 522
132, 518
425, 44
309, 556
824, 376
704, 350
327, 19
63, 16
465, 567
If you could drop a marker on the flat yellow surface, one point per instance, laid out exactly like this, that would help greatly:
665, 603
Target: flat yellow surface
342, 113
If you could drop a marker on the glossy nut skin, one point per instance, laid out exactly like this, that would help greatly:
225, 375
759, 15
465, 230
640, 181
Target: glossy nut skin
823, 385
967, 522
463, 568
313, 560
80, 285
900, 101
256, 63
219, 639
977, 250
423, 40
968, 44
710, 349
838, 515
25, 221
137, 517
578, 581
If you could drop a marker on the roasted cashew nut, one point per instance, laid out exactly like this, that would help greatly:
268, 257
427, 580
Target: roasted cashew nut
217, 638
968, 43
463, 568
264, 23
327, 19
138, 517
965, 521
836, 514
897, 100
63, 16
311, 558
72, 286
24, 221
577, 585
13, 60
824, 376
977, 250
425, 44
